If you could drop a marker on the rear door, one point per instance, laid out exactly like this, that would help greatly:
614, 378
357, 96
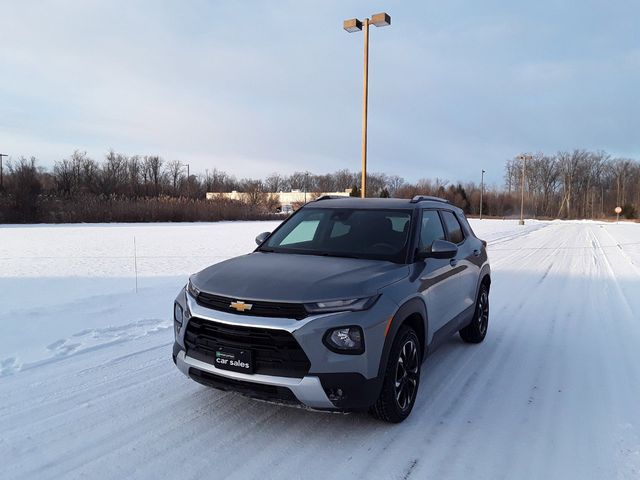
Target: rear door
463, 264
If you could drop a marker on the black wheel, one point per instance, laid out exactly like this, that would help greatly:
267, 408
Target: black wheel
401, 378
477, 329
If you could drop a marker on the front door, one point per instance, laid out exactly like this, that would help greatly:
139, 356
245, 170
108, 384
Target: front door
438, 280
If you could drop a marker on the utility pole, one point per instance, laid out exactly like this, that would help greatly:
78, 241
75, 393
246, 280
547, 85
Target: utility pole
481, 192
1, 172
306, 180
524, 159
355, 25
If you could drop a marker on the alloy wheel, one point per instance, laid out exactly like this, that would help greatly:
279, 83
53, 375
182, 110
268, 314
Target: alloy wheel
483, 313
406, 381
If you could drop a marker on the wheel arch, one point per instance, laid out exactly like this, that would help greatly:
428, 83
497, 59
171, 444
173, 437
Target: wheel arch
413, 313
484, 279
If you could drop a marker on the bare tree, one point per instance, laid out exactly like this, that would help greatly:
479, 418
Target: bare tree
394, 182
174, 172
152, 167
24, 187
274, 183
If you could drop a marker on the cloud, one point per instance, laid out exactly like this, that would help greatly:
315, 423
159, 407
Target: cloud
252, 87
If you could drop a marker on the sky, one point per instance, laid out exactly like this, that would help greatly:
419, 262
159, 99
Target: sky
255, 87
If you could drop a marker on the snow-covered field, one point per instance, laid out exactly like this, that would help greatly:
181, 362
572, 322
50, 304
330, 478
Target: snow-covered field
88, 388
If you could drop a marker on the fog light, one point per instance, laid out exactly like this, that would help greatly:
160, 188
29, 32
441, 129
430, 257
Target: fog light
335, 394
348, 340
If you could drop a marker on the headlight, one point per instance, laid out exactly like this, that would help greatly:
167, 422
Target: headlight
349, 305
193, 291
349, 340
178, 317
178, 313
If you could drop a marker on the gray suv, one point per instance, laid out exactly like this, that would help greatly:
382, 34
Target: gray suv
338, 307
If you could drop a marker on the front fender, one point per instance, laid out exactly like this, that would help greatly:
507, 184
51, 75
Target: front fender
410, 307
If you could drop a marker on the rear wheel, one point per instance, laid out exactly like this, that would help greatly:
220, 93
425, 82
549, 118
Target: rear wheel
401, 378
477, 329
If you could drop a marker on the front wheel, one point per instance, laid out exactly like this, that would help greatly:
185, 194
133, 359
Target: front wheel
477, 329
401, 378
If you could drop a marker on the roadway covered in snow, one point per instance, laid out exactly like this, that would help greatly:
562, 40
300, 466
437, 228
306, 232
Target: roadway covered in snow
88, 388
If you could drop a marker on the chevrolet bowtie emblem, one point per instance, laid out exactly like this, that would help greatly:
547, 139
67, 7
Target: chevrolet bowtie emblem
240, 306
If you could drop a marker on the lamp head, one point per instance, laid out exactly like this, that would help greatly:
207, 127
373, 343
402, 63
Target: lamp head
381, 19
352, 25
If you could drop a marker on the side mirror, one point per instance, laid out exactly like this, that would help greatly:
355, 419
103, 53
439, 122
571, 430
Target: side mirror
438, 249
262, 237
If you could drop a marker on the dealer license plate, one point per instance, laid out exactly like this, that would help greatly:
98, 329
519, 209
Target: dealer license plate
234, 359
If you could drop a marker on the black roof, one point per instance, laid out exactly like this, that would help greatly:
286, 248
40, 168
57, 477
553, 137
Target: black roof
379, 203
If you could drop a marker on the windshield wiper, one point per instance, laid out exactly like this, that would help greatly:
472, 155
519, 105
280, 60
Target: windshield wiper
341, 255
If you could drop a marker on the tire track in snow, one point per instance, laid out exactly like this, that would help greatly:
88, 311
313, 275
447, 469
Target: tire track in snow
488, 411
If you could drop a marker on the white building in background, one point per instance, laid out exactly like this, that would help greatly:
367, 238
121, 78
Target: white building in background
287, 199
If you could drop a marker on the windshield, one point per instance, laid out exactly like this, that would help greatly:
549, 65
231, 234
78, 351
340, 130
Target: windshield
344, 232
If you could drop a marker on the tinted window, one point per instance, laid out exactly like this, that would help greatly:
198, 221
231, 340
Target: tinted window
344, 232
465, 223
304, 232
453, 227
431, 228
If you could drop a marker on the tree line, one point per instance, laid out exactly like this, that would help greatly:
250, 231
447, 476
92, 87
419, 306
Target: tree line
576, 184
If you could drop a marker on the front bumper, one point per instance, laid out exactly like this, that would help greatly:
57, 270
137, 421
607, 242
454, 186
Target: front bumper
308, 390
334, 381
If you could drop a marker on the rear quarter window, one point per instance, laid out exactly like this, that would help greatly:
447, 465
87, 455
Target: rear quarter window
454, 229
467, 226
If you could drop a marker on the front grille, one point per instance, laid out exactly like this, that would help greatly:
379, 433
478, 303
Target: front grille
270, 393
275, 352
258, 308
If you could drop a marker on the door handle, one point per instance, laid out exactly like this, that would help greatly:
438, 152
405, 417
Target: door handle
453, 262
476, 253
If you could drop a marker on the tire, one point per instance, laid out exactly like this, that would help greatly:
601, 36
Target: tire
401, 378
477, 329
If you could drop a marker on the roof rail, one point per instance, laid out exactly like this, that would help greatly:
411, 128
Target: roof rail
330, 197
424, 198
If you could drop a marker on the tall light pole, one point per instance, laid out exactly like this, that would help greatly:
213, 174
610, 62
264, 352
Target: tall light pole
355, 25
1, 173
481, 191
523, 159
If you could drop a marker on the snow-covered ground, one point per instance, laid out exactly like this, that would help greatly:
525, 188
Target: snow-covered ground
88, 388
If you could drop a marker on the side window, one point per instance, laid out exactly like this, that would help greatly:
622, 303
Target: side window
454, 230
467, 226
431, 228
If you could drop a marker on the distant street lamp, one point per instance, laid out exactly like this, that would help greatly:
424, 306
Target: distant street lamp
1, 173
306, 179
481, 191
188, 183
523, 159
351, 26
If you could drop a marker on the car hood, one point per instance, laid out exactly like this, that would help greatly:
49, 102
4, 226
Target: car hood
297, 278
